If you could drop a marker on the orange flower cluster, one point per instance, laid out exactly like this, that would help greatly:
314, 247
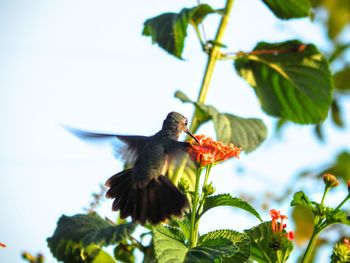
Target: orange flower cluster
278, 227
211, 152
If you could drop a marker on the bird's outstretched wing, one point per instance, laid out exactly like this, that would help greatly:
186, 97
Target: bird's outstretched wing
177, 150
126, 147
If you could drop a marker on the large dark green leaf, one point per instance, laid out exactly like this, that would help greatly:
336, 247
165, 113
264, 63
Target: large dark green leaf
169, 30
261, 249
247, 133
240, 242
287, 9
228, 200
210, 248
74, 234
291, 80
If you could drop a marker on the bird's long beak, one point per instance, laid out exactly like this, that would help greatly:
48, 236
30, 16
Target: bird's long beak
190, 134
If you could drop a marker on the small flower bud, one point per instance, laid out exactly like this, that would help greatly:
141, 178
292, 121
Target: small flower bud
183, 185
208, 189
28, 256
341, 252
330, 180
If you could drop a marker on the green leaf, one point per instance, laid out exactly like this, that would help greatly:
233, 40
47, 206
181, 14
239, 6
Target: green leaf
287, 9
169, 30
261, 238
338, 51
149, 256
76, 233
292, 80
247, 133
336, 114
300, 198
185, 225
210, 248
228, 200
304, 224
240, 242
103, 257
211, 252
171, 232
342, 80
338, 16
338, 217
167, 249
124, 253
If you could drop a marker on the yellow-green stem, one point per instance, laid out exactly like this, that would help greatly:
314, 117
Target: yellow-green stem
310, 246
193, 232
343, 202
212, 59
214, 56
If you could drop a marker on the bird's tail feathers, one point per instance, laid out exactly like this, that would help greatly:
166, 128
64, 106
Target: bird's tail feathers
156, 201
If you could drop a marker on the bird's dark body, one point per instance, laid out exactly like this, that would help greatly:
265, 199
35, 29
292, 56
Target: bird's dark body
143, 191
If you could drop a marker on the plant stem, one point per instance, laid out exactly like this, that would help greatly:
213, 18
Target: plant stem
324, 194
207, 172
194, 229
343, 202
214, 56
310, 246
212, 59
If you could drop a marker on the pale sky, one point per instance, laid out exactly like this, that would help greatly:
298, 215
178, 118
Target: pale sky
85, 64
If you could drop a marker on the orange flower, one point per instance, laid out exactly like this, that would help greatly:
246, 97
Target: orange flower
279, 227
2, 245
211, 152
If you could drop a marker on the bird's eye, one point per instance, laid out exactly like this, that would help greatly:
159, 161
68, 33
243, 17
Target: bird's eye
186, 122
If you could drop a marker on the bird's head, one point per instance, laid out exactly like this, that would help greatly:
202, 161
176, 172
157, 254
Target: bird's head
175, 123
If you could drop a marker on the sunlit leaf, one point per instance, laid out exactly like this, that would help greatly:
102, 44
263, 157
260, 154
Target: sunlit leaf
339, 16
103, 257
287, 9
228, 200
304, 224
167, 249
171, 232
342, 80
261, 248
239, 240
169, 30
339, 217
247, 133
211, 248
292, 80
124, 253
74, 234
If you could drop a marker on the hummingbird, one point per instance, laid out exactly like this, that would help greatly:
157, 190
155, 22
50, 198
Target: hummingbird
144, 191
